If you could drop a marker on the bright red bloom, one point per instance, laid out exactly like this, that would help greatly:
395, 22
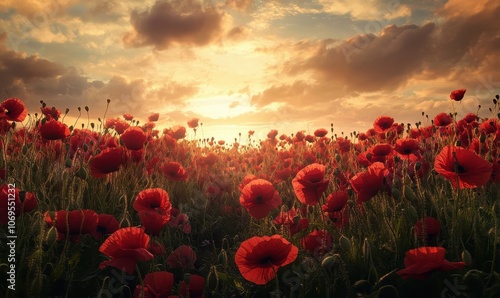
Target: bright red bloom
407, 146
383, 124
75, 223
320, 132
28, 200
310, 183
174, 171
259, 258
177, 132
54, 130
196, 287
133, 138
317, 242
126, 247
108, 161
51, 113
427, 228
156, 285
128, 117
154, 200
13, 109
443, 119
193, 123
335, 201
154, 221
106, 225
292, 220
422, 261
462, 167
457, 95
272, 134
259, 197
120, 125
368, 184
153, 117
182, 257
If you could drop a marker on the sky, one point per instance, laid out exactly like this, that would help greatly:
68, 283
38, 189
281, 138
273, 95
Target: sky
242, 65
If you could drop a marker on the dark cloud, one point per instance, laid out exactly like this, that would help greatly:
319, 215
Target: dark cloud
171, 22
33, 79
462, 49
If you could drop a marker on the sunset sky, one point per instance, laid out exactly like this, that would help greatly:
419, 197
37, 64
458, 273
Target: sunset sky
242, 65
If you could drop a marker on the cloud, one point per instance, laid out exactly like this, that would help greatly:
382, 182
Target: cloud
367, 10
237, 33
32, 79
167, 23
242, 5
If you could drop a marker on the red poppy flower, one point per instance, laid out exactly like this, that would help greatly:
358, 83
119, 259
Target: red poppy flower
259, 197
457, 95
462, 167
13, 109
309, 184
120, 125
383, 124
156, 284
156, 248
177, 132
196, 287
427, 228
6, 193
133, 138
406, 147
320, 132
128, 117
193, 123
75, 223
272, 134
126, 247
259, 258
174, 171
379, 152
106, 225
28, 201
153, 117
182, 257
51, 113
422, 261
292, 220
154, 221
368, 184
153, 199
108, 161
443, 119
54, 130
335, 201
317, 242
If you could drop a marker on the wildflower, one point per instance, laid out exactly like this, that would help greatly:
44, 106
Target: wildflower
133, 138
382, 124
126, 247
259, 258
422, 261
155, 284
182, 257
174, 171
427, 228
13, 109
106, 225
193, 123
462, 167
54, 130
75, 223
457, 95
310, 183
108, 161
153, 117
259, 197
317, 242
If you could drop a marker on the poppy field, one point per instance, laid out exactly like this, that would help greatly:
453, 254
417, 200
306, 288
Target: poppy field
118, 208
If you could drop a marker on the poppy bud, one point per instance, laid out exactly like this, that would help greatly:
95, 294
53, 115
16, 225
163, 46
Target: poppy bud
25, 149
396, 194
187, 278
389, 212
482, 138
362, 287
467, 258
345, 243
223, 258
409, 194
366, 249
213, 279
81, 173
388, 291
51, 237
68, 163
412, 213
328, 262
